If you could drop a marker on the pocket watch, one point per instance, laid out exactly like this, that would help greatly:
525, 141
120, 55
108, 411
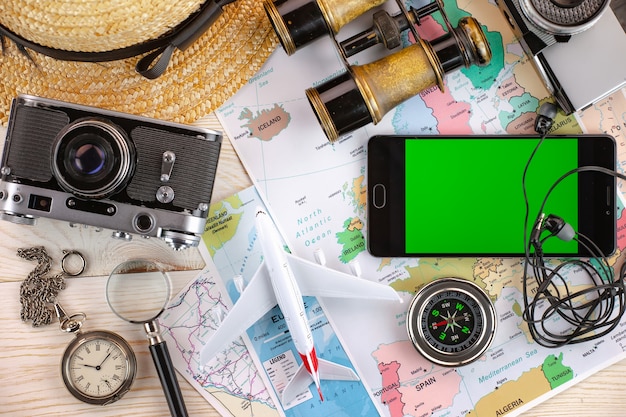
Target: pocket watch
451, 321
98, 367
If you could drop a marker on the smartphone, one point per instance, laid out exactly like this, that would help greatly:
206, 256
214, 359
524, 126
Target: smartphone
463, 195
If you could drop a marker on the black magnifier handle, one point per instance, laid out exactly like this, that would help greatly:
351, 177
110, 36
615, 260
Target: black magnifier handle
165, 370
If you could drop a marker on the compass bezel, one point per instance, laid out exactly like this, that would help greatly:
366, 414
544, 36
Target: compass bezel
448, 354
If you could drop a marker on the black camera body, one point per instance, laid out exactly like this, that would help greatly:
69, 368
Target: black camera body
573, 46
85, 165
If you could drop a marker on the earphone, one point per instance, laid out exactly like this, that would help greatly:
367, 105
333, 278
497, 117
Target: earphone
559, 228
545, 118
554, 224
590, 312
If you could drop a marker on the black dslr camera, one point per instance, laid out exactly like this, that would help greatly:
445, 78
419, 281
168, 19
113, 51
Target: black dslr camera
107, 169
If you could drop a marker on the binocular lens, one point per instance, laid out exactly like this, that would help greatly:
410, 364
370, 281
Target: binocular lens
296, 27
298, 22
339, 106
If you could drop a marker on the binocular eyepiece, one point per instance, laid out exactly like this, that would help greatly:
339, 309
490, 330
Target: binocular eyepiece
365, 93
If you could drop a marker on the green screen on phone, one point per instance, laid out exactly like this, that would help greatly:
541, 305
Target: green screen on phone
466, 195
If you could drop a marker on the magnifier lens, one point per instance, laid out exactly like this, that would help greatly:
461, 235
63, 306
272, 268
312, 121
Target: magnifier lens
138, 291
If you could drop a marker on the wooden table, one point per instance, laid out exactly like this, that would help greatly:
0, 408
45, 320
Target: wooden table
30, 380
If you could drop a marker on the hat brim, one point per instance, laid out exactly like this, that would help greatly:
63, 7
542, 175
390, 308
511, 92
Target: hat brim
196, 82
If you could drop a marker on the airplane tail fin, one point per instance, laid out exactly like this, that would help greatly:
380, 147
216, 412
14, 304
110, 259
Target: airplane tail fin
302, 379
299, 383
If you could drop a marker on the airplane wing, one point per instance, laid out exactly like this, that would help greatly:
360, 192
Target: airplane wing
317, 280
256, 299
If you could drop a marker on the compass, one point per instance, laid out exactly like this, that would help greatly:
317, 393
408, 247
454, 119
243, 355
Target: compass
451, 321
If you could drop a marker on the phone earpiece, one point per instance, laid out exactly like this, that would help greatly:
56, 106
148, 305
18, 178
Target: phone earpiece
559, 228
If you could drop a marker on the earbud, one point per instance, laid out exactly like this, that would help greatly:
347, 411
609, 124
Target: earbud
558, 227
545, 118
537, 229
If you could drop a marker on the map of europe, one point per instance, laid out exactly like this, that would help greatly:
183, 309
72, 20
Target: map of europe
316, 192
512, 374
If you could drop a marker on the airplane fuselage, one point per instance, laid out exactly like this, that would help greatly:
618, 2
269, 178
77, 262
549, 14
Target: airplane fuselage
288, 295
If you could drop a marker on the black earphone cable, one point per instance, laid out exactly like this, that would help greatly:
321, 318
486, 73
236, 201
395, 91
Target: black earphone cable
590, 312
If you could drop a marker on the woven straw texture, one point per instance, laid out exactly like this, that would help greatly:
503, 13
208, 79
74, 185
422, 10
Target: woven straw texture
100, 25
196, 82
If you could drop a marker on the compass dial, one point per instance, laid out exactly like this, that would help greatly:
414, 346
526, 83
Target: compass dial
451, 321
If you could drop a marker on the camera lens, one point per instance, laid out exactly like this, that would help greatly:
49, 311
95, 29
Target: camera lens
93, 158
89, 159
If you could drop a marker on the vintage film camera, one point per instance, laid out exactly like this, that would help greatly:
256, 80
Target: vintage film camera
576, 46
107, 169
365, 93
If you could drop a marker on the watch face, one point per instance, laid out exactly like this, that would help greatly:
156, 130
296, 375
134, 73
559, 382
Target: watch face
451, 321
98, 367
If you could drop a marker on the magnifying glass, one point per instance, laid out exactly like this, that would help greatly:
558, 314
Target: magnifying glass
138, 291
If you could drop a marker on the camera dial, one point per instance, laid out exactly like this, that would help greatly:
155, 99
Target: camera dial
18, 218
92, 158
567, 3
563, 17
179, 240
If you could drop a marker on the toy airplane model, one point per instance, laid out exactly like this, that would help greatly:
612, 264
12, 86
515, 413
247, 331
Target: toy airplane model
283, 279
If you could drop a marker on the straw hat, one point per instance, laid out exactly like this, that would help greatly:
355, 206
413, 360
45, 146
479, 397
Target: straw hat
196, 81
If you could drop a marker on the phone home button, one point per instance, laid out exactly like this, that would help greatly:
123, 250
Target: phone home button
379, 196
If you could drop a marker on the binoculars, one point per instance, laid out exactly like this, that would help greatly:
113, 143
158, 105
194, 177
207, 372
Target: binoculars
365, 93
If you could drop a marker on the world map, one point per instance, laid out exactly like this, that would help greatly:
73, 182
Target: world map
316, 192
513, 374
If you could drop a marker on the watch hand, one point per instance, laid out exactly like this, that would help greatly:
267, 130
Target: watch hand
98, 367
106, 381
104, 360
